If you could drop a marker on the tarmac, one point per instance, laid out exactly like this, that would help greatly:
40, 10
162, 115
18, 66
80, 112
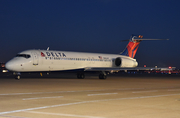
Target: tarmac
64, 96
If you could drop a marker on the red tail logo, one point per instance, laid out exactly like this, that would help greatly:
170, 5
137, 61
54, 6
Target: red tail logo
42, 54
131, 49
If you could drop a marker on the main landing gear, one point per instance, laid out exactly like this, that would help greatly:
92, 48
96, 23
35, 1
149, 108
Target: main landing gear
80, 76
102, 75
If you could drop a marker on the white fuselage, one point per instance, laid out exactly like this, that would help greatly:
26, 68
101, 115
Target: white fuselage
47, 60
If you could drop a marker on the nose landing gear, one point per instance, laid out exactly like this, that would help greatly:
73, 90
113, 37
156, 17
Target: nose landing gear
17, 75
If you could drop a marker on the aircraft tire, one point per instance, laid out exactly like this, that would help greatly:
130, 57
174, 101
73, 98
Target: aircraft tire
17, 77
102, 76
80, 76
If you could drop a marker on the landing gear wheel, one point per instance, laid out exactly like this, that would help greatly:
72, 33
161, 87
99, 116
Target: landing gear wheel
80, 76
17, 77
102, 76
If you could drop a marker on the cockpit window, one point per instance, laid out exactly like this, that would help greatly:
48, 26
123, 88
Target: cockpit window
23, 55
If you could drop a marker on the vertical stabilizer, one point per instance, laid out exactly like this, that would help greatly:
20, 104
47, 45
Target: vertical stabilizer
132, 46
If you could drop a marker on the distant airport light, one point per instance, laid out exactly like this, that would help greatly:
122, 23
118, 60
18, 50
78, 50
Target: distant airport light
144, 65
170, 67
4, 71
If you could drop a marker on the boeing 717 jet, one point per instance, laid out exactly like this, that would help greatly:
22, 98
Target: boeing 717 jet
50, 60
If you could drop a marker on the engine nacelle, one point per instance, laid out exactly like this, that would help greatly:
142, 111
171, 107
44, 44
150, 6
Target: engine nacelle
117, 61
125, 62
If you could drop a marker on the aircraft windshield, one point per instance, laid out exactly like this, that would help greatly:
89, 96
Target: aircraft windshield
23, 55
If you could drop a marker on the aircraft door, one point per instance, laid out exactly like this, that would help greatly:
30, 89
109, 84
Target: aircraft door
35, 58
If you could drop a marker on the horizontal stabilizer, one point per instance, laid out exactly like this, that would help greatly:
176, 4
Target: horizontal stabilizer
149, 39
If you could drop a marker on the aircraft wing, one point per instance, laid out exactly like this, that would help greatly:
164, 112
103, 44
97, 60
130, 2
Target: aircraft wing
126, 68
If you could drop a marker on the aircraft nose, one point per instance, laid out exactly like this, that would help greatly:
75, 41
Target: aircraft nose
9, 65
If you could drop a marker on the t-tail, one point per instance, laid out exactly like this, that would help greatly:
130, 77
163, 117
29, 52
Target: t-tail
133, 45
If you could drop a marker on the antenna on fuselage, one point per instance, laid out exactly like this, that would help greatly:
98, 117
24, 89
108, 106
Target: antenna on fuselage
48, 48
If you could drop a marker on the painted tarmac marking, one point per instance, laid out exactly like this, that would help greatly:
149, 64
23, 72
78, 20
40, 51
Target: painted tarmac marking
67, 91
82, 91
101, 94
83, 102
145, 91
12, 116
61, 114
174, 90
131, 89
42, 98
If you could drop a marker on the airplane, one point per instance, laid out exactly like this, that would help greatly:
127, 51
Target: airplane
37, 60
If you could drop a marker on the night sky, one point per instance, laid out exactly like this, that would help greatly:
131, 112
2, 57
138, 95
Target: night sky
92, 26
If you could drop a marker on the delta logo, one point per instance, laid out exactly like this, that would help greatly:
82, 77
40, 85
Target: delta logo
42, 54
53, 54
